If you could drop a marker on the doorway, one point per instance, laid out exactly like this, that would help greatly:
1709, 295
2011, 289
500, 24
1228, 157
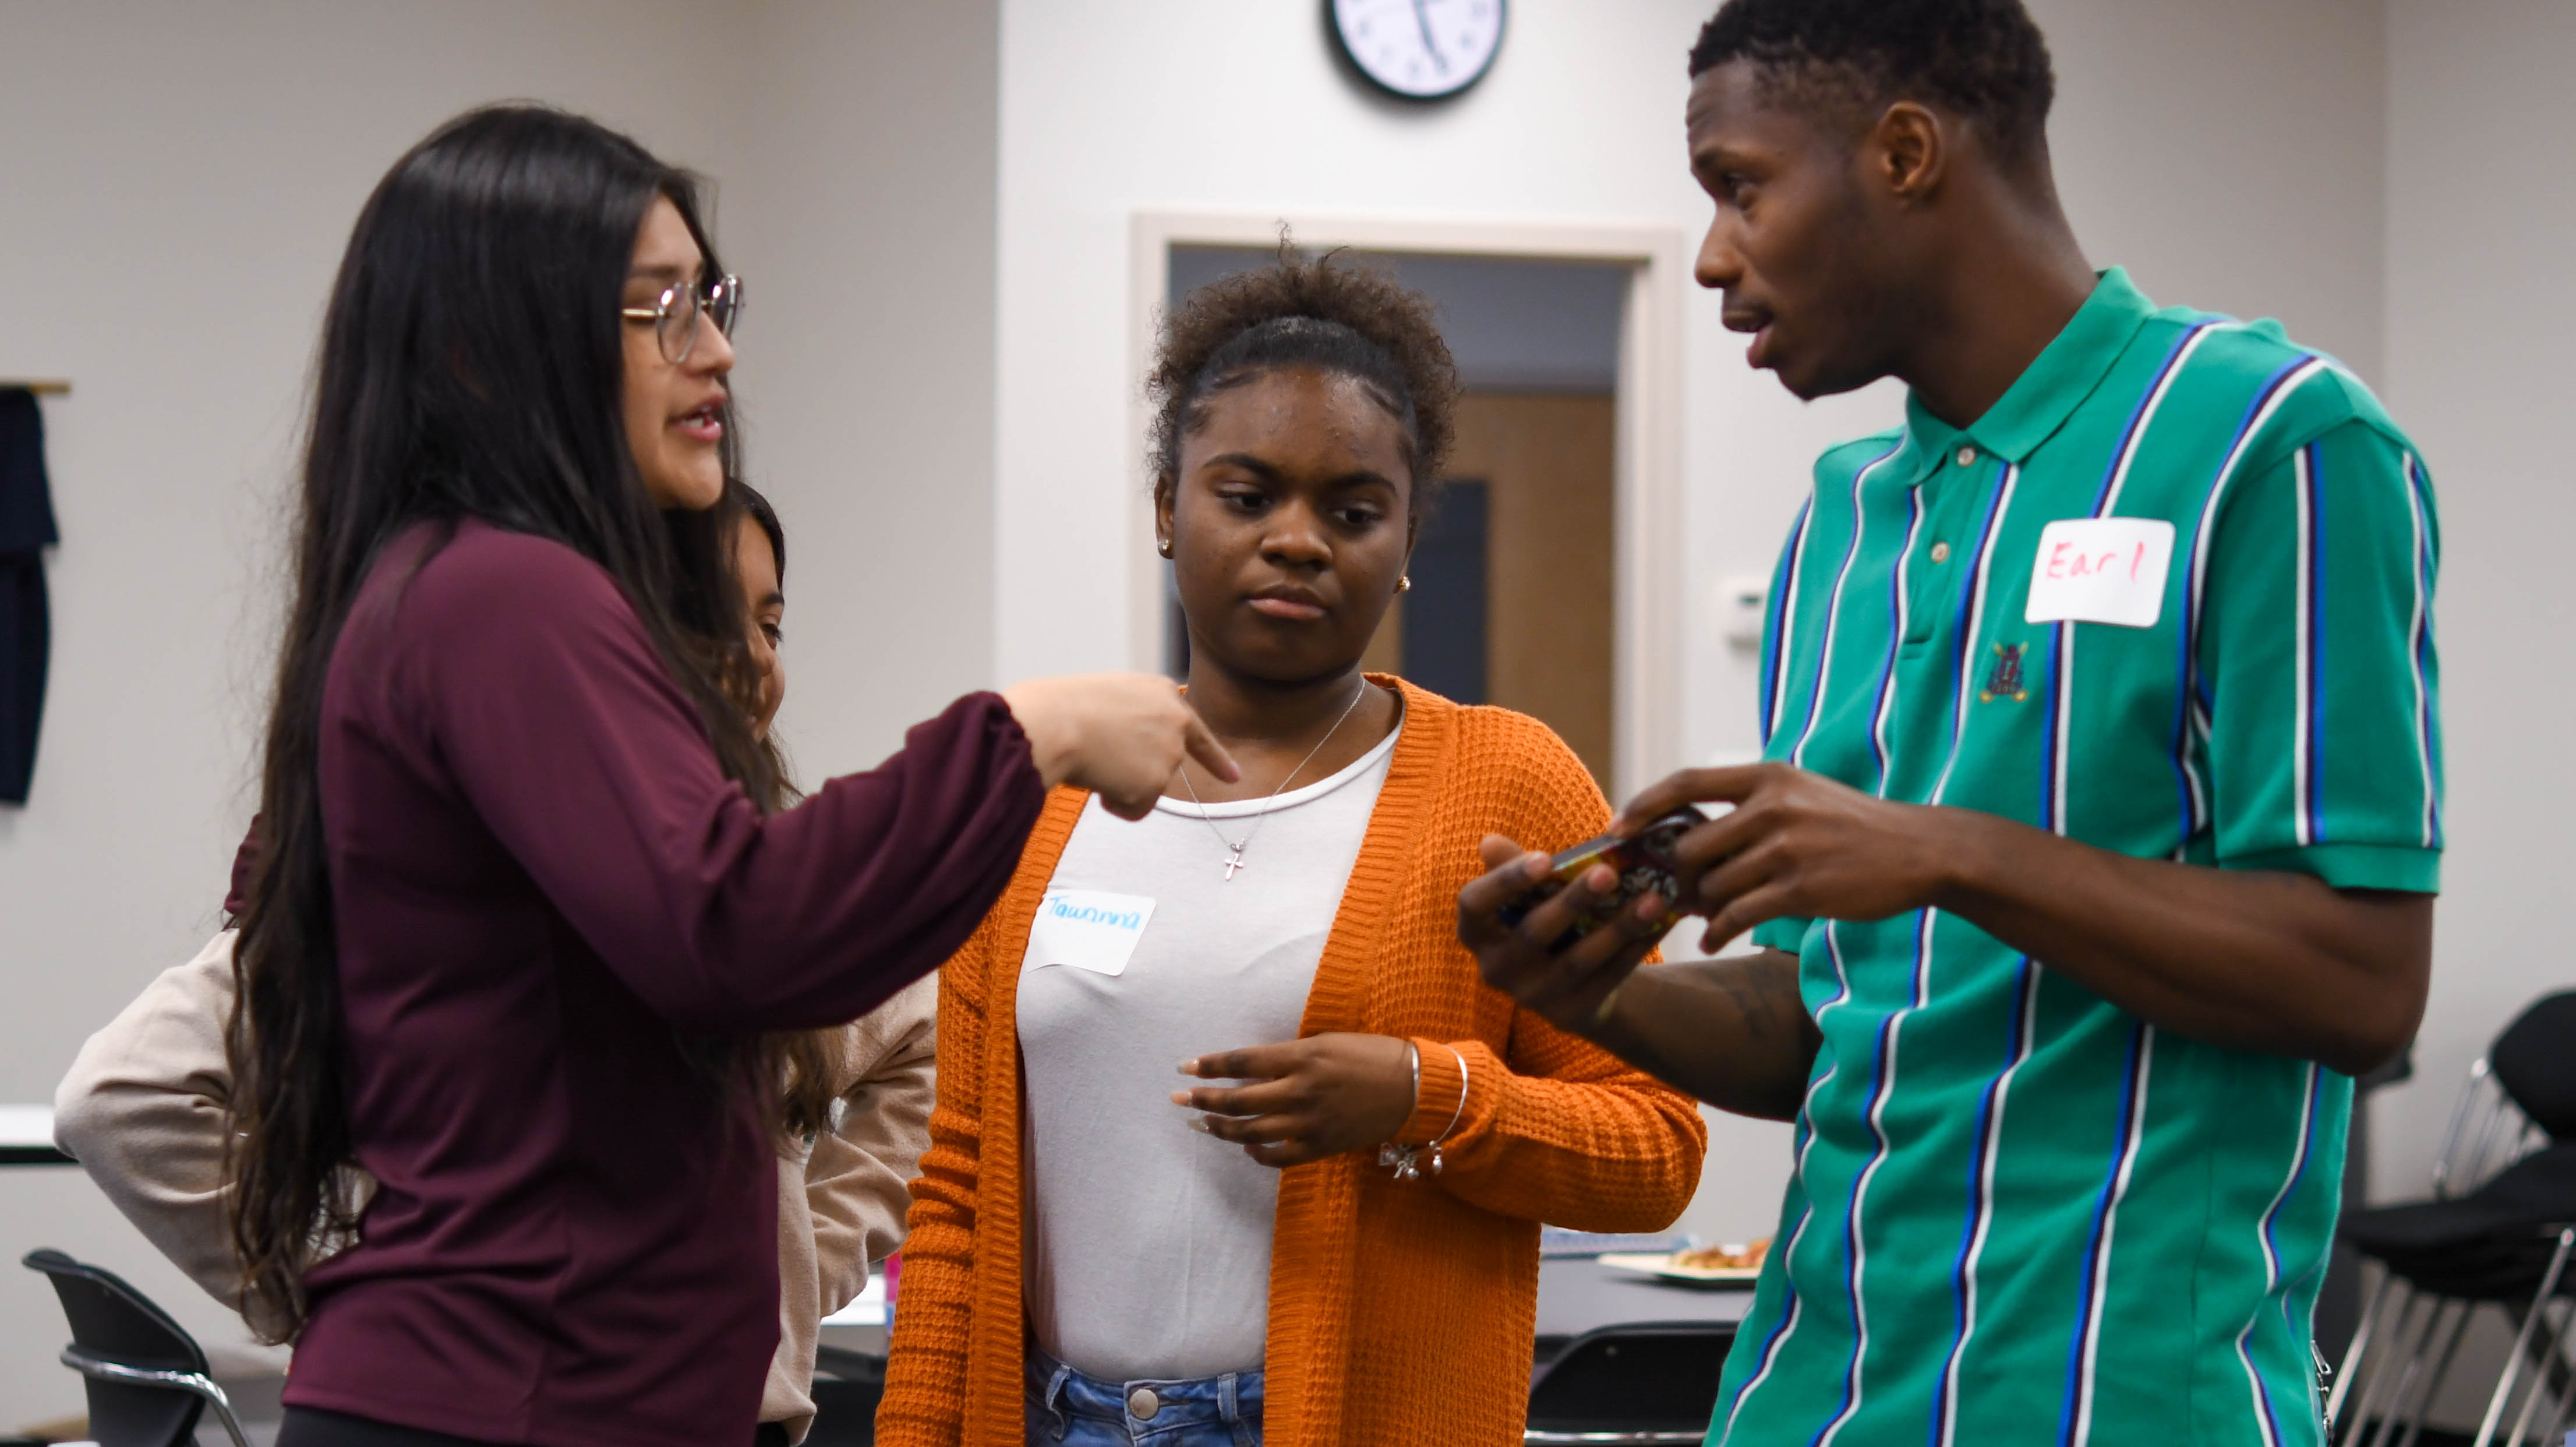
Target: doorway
1540, 569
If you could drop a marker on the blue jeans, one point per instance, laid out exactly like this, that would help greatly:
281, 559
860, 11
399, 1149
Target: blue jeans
1068, 1409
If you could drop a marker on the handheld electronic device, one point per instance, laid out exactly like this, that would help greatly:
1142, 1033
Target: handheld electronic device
1644, 864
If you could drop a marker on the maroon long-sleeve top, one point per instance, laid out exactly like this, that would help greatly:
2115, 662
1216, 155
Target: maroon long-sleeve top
542, 881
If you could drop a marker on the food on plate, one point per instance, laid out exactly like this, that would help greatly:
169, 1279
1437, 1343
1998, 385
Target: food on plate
1727, 1256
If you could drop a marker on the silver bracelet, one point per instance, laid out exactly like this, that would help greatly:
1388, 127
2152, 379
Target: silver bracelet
1406, 1160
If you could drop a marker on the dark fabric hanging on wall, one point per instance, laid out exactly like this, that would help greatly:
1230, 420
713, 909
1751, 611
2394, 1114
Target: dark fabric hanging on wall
26, 530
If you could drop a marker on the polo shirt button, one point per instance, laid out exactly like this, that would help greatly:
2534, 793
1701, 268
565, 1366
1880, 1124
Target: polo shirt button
1142, 1404
1967, 457
1940, 552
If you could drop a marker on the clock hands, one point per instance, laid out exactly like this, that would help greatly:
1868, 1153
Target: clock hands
1422, 17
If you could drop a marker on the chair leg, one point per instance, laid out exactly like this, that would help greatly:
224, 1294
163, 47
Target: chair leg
2387, 1372
223, 1410
2389, 1388
2549, 1370
2522, 1342
2559, 1381
2558, 1422
2441, 1372
2354, 1353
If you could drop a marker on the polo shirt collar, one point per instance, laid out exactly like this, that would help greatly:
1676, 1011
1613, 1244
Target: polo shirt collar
2056, 382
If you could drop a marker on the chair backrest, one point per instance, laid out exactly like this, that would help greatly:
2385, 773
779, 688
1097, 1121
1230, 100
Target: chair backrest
2535, 1061
2487, 1133
113, 1322
1642, 1377
848, 1386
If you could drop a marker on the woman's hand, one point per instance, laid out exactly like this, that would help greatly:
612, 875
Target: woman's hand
1120, 735
1309, 1098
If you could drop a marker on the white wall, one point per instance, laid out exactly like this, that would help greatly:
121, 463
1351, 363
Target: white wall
2230, 154
176, 183
2480, 209
2239, 174
2480, 212
860, 211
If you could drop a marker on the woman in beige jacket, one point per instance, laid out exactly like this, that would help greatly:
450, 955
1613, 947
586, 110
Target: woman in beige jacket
143, 1108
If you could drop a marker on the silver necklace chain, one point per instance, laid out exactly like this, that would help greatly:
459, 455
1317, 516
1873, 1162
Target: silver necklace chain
1235, 847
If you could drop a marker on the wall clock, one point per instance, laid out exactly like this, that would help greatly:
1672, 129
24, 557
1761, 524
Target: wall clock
1422, 50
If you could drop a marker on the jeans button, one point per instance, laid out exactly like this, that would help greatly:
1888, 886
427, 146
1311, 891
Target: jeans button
1142, 1404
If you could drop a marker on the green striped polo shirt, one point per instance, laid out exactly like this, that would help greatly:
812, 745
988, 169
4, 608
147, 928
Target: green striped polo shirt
2171, 596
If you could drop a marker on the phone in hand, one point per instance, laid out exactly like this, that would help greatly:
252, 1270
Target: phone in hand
1644, 863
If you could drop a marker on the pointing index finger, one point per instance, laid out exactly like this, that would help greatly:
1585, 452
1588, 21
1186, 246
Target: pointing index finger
1202, 746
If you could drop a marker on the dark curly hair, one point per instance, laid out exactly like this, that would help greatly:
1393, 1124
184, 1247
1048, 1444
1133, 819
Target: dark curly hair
1320, 313
1984, 59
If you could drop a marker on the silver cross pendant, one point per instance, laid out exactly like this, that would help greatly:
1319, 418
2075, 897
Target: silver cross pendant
1234, 862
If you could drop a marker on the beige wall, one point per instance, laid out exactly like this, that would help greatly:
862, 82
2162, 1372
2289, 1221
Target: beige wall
175, 186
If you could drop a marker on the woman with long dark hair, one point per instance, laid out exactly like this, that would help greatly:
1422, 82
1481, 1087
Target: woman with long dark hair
518, 917
145, 1107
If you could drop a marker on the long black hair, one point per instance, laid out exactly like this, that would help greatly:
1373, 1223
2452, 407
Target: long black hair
471, 366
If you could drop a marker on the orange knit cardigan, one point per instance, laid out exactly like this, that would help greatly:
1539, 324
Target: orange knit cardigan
1399, 1313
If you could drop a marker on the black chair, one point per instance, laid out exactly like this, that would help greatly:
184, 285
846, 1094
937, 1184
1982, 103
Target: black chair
2495, 1233
146, 1377
1650, 1382
848, 1385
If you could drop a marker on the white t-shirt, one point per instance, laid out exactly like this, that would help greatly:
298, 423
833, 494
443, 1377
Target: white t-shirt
1147, 1244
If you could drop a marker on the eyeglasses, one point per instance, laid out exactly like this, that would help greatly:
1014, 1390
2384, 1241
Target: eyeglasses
676, 312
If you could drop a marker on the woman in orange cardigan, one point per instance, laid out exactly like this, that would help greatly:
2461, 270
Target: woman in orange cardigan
1347, 1251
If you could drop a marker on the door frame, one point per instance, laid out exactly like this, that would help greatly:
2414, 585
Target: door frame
1647, 554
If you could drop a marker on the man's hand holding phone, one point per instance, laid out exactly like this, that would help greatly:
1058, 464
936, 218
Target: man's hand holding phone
1559, 945
1561, 934
1794, 843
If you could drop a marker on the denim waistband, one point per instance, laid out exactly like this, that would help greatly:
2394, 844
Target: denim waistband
1200, 1407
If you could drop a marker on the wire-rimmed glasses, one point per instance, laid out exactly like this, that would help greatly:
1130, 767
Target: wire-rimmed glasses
675, 314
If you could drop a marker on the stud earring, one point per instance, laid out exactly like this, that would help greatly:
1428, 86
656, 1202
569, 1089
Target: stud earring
1404, 584
1165, 548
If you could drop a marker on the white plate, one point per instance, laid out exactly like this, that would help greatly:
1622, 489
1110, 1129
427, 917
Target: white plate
1660, 1264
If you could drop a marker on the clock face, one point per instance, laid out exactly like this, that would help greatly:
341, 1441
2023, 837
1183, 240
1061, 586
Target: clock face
1420, 49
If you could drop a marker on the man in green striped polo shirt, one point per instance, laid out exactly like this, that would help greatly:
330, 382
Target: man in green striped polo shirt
2096, 844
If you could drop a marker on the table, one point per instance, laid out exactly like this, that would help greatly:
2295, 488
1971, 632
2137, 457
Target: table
1578, 1293
27, 1137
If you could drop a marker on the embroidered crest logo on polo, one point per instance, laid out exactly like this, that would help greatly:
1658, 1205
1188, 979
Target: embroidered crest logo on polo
2004, 679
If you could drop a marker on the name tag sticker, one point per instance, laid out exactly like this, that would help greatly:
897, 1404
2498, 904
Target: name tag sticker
1087, 929
2101, 570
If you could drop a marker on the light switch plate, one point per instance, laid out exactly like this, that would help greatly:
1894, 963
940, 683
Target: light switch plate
1740, 603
